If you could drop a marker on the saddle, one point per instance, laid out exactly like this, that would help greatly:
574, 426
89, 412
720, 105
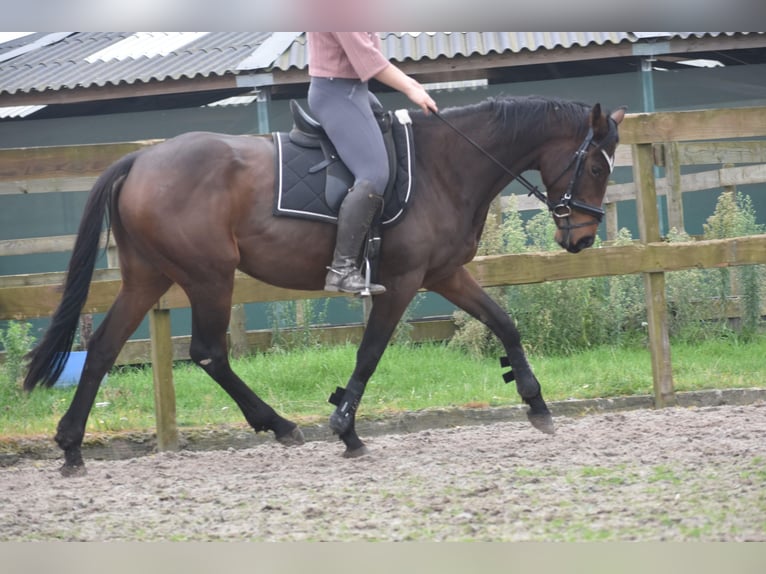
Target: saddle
312, 180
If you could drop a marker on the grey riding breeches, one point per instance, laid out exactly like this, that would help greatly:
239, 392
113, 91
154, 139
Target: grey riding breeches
343, 108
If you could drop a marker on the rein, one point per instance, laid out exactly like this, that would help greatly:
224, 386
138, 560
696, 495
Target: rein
562, 209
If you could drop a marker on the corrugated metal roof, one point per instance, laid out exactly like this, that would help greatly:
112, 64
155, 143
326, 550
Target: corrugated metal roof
269, 51
145, 44
416, 46
86, 59
25, 43
432, 45
55, 61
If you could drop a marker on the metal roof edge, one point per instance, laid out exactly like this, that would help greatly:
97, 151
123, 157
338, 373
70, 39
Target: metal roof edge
267, 53
39, 43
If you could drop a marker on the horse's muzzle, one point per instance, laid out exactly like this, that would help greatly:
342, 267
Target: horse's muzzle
579, 245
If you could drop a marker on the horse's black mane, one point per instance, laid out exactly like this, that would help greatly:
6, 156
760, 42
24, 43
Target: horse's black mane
524, 115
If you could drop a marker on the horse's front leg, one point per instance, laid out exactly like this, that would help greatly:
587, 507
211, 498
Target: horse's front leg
463, 290
387, 309
343, 419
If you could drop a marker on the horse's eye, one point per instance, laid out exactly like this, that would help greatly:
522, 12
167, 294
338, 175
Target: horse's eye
596, 170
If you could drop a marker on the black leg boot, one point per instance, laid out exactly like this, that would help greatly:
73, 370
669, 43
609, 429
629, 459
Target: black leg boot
354, 219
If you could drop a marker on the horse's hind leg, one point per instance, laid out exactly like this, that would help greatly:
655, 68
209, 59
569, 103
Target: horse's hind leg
122, 319
210, 318
463, 290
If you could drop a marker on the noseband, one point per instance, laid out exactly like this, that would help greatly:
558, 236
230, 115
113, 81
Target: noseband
563, 209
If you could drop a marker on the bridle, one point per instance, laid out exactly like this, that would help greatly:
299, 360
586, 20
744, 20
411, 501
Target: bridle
562, 209
567, 203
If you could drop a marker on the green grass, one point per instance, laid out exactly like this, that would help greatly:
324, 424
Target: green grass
409, 378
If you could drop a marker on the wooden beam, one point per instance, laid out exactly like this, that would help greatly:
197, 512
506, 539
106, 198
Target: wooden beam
646, 197
659, 340
162, 373
38, 295
738, 175
48, 185
441, 329
238, 331
612, 224
112, 92
717, 44
74, 168
50, 244
65, 162
713, 124
654, 282
741, 175
674, 189
718, 152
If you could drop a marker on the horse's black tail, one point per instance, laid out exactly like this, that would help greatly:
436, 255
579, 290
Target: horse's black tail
47, 359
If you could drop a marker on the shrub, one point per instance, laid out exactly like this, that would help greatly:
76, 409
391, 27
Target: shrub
17, 342
291, 323
562, 317
626, 306
734, 216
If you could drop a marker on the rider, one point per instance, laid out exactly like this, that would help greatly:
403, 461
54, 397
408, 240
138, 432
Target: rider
340, 66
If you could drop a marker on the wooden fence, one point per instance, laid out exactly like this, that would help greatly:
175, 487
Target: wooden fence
647, 140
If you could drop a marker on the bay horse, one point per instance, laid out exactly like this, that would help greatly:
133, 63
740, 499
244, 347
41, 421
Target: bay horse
193, 209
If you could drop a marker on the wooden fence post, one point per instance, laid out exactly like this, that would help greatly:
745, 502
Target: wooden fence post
112, 256
733, 277
238, 331
654, 283
673, 176
612, 225
162, 371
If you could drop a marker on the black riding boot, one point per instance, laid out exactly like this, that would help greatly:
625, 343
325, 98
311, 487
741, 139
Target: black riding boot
354, 220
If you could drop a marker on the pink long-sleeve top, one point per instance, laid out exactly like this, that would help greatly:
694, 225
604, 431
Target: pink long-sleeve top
345, 55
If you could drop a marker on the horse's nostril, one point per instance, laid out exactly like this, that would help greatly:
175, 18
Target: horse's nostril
585, 242
581, 244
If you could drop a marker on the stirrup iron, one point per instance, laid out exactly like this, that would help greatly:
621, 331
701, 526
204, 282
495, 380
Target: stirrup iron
366, 291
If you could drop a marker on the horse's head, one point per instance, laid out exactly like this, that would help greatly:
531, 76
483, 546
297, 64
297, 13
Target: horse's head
576, 191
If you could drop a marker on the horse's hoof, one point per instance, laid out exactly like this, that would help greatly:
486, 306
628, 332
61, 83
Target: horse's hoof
68, 470
542, 422
293, 438
356, 453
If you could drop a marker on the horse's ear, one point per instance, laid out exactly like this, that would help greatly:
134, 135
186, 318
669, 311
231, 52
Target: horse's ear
619, 114
598, 122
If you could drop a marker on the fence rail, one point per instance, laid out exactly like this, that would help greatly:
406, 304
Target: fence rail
37, 295
647, 140
20, 175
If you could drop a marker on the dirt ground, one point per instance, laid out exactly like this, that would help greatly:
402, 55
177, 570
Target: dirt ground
648, 475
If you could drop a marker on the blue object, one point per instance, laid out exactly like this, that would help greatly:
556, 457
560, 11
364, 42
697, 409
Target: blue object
70, 376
